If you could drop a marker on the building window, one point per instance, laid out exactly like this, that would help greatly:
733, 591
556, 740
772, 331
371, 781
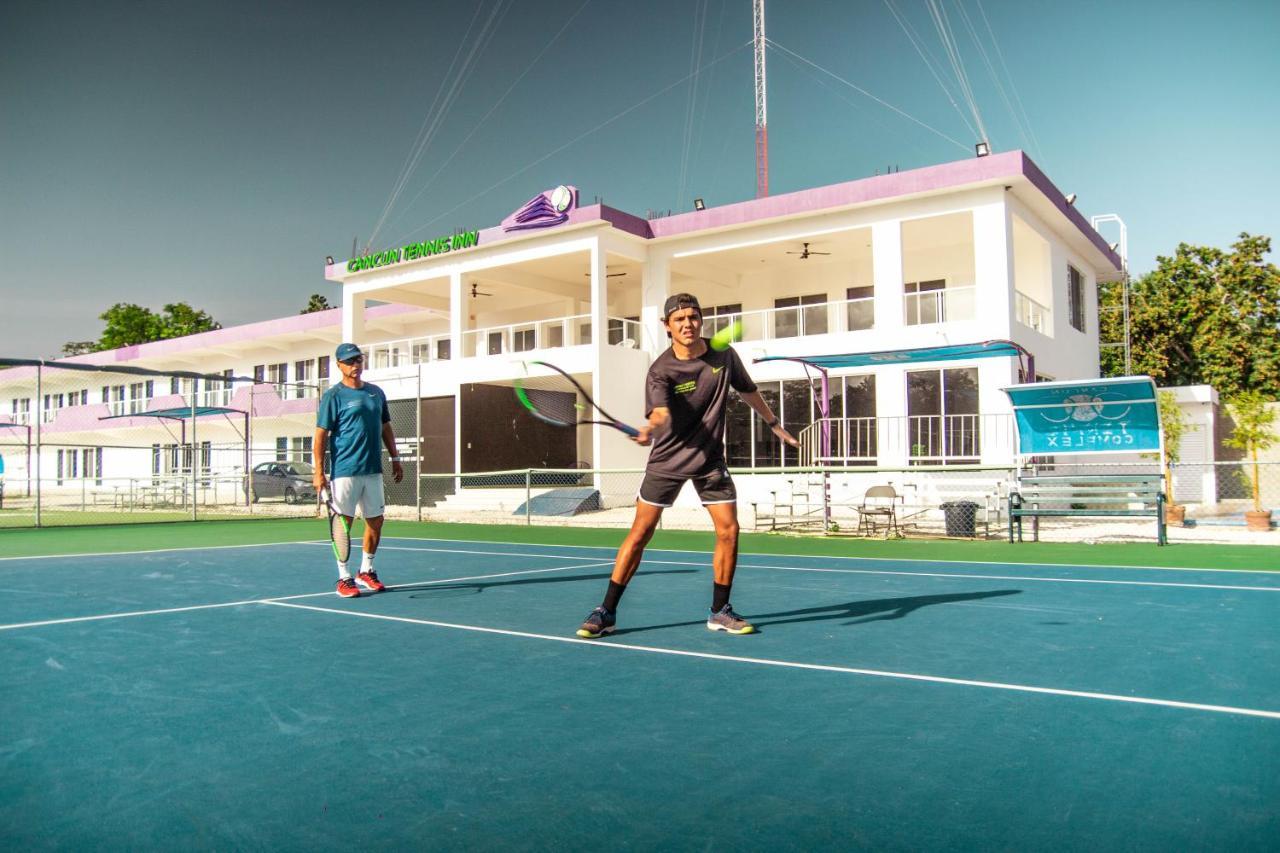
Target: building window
322, 367
59, 471
1075, 298
925, 302
942, 416
495, 343
259, 373
854, 441
719, 317
302, 448
97, 468
282, 449
523, 340
444, 349
861, 308
278, 374
800, 315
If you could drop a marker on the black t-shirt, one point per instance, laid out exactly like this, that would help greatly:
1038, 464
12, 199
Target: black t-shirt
696, 392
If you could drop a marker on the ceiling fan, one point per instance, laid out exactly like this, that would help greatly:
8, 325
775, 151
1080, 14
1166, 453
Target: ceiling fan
476, 291
806, 253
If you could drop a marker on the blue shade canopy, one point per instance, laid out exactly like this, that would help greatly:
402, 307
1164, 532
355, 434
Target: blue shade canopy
956, 352
179, 413
1117, 415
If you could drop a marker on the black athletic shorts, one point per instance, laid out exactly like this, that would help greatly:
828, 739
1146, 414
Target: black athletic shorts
715, 486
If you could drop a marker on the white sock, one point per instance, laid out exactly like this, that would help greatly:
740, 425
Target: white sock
366, 564
343, 572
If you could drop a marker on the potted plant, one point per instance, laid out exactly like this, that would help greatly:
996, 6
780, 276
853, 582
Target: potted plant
1253, 419
1173, 423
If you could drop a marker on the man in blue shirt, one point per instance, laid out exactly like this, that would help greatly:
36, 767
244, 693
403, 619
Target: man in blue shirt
349, 422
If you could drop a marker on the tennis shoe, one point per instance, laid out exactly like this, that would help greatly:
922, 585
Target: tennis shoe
347, 588
725, 619
599, 622
369, 580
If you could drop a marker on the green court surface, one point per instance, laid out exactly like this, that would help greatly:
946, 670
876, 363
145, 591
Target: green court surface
899, 695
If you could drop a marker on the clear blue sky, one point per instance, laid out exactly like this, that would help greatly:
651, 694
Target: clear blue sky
214, 153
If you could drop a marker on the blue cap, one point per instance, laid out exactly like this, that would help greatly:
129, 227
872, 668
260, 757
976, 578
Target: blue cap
346, 352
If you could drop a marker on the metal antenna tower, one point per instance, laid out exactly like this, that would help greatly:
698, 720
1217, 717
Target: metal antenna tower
762, 111
1123, 247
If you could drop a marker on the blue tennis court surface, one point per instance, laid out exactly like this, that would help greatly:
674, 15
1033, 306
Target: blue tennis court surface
225, 698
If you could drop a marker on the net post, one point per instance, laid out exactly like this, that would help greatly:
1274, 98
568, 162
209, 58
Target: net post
528, 496
195, 455
39, 424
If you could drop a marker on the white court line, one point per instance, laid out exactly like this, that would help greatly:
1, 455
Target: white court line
171, 550
742, 565
866, 559
907, 676
417, 585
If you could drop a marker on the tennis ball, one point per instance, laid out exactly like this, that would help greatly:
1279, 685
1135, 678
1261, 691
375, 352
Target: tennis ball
730, 334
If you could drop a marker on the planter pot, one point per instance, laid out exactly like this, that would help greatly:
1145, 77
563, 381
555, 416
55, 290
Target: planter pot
1175, 514
1258, 520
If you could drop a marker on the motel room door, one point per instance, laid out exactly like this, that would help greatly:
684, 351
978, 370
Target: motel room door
437, 447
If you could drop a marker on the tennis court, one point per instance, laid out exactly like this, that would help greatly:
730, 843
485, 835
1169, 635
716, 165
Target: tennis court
224, 697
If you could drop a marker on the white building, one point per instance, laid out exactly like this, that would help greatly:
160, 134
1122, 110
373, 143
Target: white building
964, 252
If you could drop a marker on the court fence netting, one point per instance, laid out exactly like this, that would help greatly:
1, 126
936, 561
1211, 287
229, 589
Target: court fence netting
90, 444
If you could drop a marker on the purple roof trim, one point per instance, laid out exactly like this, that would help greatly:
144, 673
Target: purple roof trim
1041, 182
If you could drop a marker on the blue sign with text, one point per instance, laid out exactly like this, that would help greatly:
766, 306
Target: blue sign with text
1087, 416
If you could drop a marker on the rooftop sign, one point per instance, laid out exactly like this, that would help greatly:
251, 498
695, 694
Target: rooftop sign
414, 251
544, 210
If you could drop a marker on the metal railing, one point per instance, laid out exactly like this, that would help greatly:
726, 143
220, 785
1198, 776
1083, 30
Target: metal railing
952, 304
1032, 314
911, 440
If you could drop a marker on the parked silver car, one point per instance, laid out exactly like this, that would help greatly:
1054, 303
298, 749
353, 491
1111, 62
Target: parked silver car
288, 480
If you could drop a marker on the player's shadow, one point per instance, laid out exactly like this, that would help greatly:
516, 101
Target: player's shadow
848, 613
427, 589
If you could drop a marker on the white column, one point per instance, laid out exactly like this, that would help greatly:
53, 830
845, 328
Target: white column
353, 319
886, 274
457, 314
599, 340
993, 266
655, 286
892, 443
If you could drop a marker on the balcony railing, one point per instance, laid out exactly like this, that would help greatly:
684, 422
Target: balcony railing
1032, 314
553, 333
917, 439
843, 315
949, 305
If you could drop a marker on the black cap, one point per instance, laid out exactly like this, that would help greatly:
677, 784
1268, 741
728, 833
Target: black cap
677, 301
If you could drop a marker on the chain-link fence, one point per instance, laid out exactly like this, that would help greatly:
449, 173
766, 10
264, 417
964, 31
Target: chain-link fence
83, 444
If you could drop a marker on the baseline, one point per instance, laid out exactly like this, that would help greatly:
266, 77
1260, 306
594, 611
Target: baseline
906, 676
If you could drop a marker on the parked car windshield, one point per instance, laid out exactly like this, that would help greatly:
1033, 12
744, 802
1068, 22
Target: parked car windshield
298, 469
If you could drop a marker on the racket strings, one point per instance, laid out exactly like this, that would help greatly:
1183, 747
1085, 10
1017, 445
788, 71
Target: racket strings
341, 538
553, 402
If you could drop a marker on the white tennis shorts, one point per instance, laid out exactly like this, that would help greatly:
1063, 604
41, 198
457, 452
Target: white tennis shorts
363, 493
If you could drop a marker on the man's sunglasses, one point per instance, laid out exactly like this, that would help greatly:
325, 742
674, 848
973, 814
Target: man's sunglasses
357, 360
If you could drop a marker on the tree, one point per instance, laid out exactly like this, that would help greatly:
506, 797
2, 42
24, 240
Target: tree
1174, 424
128, 324
1253, 419
316, 303
71, 348
1204, 316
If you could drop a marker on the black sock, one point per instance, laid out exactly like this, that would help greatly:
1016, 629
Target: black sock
719, 596
612, 597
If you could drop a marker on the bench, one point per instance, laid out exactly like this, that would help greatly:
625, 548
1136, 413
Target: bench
1103, 495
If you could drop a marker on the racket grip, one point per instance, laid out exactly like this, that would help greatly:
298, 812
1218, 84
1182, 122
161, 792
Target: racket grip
629, 430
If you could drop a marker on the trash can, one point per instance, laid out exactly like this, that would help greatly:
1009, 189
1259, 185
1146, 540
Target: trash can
962, 518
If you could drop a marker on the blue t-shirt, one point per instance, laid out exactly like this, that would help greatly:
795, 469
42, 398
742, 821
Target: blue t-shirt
354, 419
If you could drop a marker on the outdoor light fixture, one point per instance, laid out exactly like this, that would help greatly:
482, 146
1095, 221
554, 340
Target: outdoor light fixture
982, 149
328, 259
1071, 199
699, 204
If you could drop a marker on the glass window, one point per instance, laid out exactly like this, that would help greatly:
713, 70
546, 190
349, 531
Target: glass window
807, 315
1075, 298
444, 349
322, 367
942, 415
282, 448
523, 340
861, 308
924, 302
737, 432
495, 343
767, 447
719, 317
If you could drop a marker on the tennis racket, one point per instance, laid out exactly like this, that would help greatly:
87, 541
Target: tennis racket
557, 398
339, 532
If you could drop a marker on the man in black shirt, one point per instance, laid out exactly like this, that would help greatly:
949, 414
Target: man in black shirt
686, 393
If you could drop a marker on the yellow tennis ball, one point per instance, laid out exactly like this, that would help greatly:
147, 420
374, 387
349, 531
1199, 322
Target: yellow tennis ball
730, 334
